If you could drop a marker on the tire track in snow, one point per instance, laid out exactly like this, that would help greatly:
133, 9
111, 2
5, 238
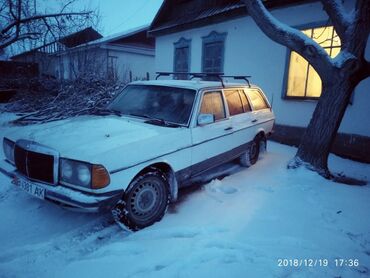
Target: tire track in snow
75, 244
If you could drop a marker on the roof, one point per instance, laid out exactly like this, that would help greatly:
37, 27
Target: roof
80, 37
177, 15
136, 37
72, 40
122, 35
133, 40
190, 84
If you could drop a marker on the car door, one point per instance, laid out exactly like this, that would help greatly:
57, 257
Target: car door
211, 142
242, 119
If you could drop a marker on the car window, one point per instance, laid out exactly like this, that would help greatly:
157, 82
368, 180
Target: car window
212, 103
246, 105
234, 102
257, 100
168, 103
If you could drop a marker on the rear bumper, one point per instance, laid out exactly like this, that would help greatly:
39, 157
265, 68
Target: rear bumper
67, 197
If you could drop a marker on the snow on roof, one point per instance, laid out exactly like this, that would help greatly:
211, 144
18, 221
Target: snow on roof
120, 35
189, 14
113, 37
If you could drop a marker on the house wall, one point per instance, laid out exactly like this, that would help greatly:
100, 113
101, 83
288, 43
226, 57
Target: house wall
249, 52
138, 64
78, 62
106, 62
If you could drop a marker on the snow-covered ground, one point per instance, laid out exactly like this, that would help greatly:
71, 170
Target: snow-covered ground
244, 225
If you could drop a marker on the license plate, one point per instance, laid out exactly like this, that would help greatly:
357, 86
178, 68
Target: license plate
30, 188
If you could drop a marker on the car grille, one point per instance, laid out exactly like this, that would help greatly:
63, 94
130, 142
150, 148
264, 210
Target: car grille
35, 161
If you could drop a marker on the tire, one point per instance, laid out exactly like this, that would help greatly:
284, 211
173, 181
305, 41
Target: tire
250, 157
144, 202
263, 145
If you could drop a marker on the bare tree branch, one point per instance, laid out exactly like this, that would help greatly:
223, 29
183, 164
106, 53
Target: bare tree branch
50, 30
19, 15
11, 40
19, 18
289, 37
338, 16
360, 30
38, 17
10, 4
66, 5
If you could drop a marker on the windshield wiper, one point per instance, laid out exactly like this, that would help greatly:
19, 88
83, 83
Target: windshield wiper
153, 120
106, 112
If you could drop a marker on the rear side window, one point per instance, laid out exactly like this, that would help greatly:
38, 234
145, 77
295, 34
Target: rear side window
257, 100
212, 103
234, 102
246, 105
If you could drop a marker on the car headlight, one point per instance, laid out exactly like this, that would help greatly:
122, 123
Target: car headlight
66, 169
79, 173
8, 147
84, 173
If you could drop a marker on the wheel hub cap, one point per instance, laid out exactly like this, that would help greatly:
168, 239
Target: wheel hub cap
145, 199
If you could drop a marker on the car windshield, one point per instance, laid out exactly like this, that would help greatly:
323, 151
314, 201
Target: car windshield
163, 103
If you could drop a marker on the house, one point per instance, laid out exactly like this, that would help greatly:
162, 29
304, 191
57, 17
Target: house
219, 36
46, 56
125, 56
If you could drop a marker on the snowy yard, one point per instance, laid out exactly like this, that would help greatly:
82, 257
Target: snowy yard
243, 225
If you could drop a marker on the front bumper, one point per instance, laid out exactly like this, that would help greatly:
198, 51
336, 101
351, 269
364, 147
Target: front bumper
68, 197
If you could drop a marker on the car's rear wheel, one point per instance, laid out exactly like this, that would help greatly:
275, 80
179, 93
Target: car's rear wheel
250, 157
144, 202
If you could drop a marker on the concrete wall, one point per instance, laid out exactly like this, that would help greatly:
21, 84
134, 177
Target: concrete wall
249, 52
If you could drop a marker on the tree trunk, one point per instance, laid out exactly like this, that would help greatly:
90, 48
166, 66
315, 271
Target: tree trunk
318, 138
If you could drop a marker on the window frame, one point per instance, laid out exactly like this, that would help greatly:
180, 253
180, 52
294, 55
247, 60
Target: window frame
239, 91
284, 92
261, 94
249, 103
182, 43
214, 37
226, 109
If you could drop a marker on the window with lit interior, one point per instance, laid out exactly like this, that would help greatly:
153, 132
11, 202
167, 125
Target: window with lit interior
303, 80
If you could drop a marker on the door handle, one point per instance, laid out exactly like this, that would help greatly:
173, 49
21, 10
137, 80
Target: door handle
255, 120
228, 128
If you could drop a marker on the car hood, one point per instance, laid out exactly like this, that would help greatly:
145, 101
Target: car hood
113, 141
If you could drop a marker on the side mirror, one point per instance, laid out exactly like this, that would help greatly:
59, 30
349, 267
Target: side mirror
205, 119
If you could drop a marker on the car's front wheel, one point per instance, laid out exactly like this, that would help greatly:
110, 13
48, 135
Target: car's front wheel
144, 202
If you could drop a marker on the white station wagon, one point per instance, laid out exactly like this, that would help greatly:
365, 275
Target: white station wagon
153, 138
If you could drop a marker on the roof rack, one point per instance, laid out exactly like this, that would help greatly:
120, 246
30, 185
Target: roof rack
240, 77
219, 75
